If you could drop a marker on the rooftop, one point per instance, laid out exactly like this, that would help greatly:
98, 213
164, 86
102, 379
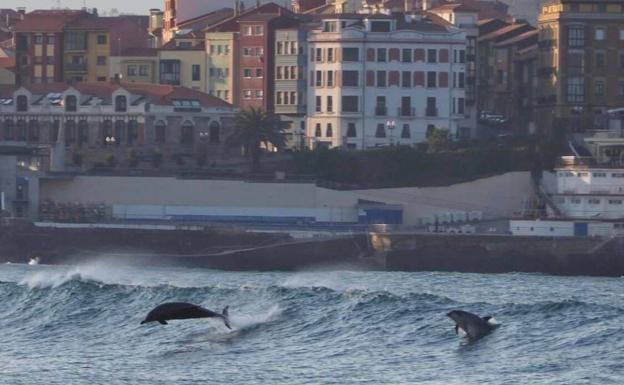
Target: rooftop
48, 20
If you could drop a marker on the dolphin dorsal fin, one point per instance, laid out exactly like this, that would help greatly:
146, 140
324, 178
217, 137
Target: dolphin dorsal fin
225, 311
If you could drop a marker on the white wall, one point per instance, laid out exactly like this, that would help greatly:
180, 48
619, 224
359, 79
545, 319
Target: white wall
498, 196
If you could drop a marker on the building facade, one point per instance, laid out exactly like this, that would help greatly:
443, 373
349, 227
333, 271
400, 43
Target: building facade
377, 80
135, 65
109, 124
223, 66
581, 62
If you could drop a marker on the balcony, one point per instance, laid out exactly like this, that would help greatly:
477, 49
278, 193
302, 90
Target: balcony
431, 111
76, 67
406, 111
381, 111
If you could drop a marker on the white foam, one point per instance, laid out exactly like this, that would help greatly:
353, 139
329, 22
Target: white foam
245, 321
54, 277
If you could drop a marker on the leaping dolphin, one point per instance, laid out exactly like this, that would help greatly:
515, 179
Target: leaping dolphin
181, 310
474, 326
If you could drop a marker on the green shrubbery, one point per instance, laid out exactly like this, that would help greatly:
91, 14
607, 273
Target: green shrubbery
407, 166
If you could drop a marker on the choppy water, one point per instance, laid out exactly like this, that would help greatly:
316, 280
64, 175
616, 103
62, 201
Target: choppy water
80, 325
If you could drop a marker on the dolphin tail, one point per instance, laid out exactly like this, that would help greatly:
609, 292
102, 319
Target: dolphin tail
225, 315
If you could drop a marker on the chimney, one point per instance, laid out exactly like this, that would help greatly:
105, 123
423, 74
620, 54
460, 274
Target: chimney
21, 11
257, 3
236, 8
242, 7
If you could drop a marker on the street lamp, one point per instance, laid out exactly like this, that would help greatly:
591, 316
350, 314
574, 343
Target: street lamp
110, 140
391, 124
203, 136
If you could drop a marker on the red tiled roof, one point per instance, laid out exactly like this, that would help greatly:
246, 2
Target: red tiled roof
95, 23
173, 46
157, 94
205, 21
513, 40
513, 28
47, 20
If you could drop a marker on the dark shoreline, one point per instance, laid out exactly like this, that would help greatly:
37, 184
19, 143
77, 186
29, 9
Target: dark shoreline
237, 250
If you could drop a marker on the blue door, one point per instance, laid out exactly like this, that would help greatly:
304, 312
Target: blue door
580, 229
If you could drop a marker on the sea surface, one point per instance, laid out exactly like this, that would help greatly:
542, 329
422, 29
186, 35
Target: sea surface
81, 325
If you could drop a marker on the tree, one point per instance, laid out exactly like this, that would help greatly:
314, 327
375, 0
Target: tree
254, 127
438, 140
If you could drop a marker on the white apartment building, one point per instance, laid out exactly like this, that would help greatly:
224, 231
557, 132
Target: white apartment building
378, 80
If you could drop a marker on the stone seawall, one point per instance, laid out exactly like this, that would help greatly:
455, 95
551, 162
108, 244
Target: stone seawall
500, 254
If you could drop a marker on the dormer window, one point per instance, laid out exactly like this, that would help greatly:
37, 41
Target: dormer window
380, 26
71, 103
22, 103
121, 104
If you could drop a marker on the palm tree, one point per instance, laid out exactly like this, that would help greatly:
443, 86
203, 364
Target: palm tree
252, 128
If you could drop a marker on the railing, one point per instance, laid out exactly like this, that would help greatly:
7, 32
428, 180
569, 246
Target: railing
76, 67
431, 111
381, 111
406, 111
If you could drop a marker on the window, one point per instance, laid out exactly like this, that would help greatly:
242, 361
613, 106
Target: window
121, 104
460, 106
51, 39
405, 132
380, 26
406, 79
278, 98
600, 34
160, 132
38, 39
8, 133
317, 130
615, 201
576, 90
258, 30
132, 70
319, 79
600, 59
319, 55
293, 97
381, 55
328, 131
350, 78
215, 134
259, 94
196, 72
75, 41
406, 56
462, 80
330, 55
280, 48
406, 106
248, 30
350, 54
432, 56
318, 104
380, 132
599, 86
330, 78
22, 103
102, 39
21, 130
187, 136
351, 131
432, 109
381, 78
330, 26
431, 79
170, 72
593, 201
350, 104
83, 132
576, 36
144, 70
71, 103
101, 60
330, 103
380, 106
247, 73
33, 130
599, 175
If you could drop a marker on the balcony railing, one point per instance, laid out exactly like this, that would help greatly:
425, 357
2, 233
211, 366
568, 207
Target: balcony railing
77, 67
381, 111
431, 111
406, 111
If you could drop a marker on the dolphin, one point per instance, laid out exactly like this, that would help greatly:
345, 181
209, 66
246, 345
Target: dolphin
474, 326
181, 310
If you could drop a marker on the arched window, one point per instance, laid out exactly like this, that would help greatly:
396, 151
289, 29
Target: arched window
120, 127
107, 131
133, 131
22, 103
188, 133
9, 130
381, 131
71, 103
405, 133
33, 130
83, 131
121, 104
214, 132
328, 131
317, 130
160, 132
70, 131
21, 130
351, 132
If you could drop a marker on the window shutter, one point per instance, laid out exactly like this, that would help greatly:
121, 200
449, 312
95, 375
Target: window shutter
370, 78
395, 54
444, 56
419, 79
419, 54
443, 78
394, 78
370, 54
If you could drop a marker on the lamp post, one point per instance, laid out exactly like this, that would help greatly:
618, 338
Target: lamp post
110, 140
391, 124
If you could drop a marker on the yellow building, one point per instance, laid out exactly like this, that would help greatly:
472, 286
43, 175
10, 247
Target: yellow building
182, 62
222, 63
135, 65
89, 42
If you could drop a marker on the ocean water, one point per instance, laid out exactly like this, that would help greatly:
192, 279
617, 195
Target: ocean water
81, 325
